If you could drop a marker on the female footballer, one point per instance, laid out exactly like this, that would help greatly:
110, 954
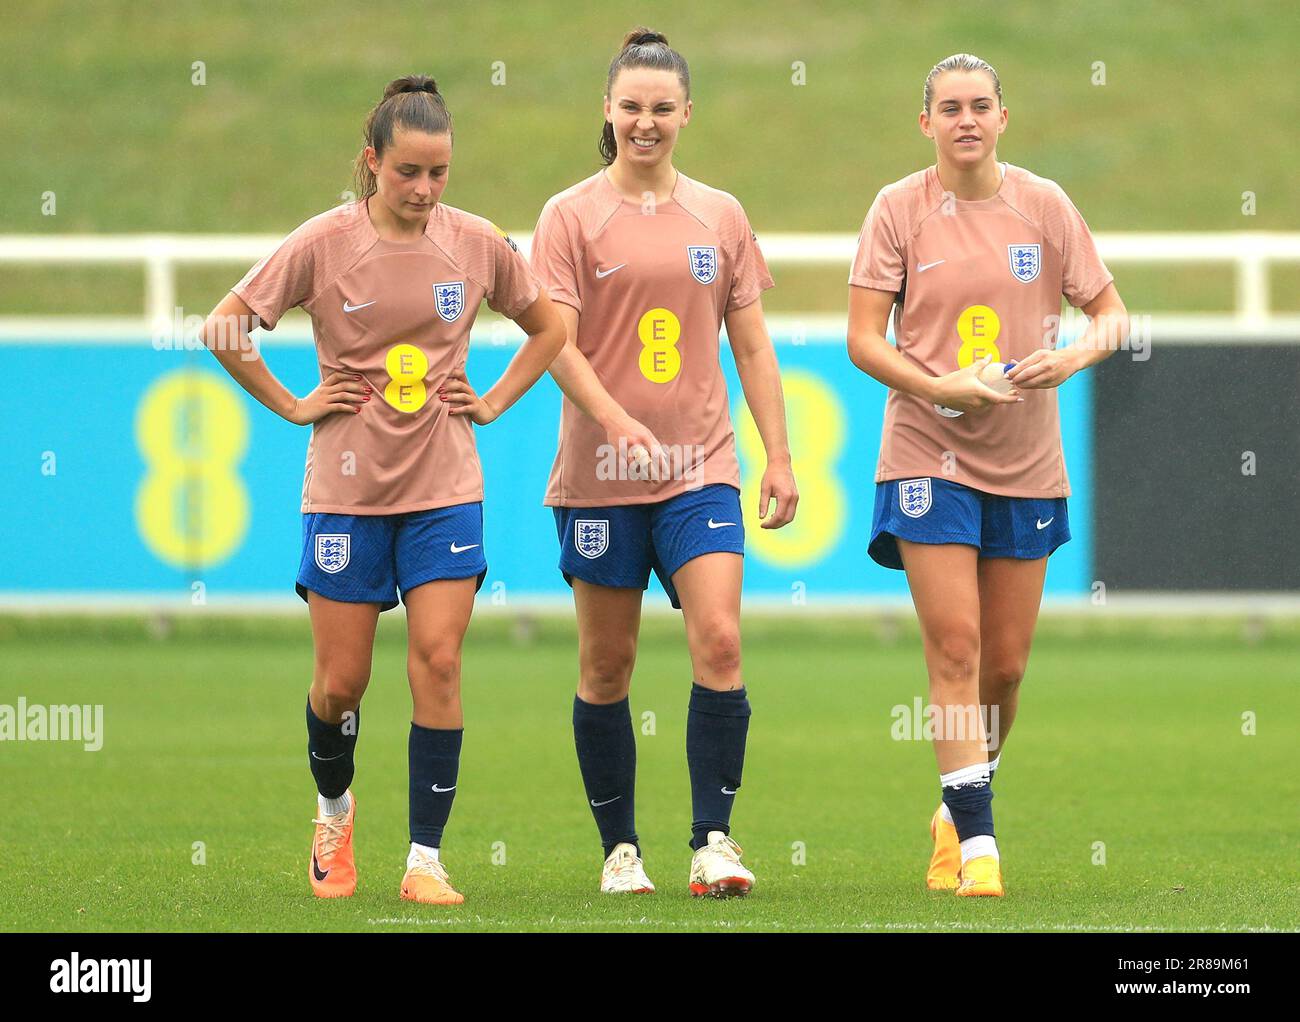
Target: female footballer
973, 256
392, 500
645, 264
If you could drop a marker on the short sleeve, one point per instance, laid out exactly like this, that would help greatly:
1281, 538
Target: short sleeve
283, 279
749, 276
879, 262
554, 257
1083, 275
514, 287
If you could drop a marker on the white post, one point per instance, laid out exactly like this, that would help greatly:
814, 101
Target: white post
160, 290
1252, 289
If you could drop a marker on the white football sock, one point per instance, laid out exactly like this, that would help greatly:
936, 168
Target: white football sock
993, 763
981, 844
944, 813
333, 806
418, 850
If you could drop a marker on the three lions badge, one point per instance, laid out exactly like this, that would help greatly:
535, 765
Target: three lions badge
1026, 262
591, 537
333, 552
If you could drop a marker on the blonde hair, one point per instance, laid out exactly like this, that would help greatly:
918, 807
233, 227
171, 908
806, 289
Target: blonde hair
959, 62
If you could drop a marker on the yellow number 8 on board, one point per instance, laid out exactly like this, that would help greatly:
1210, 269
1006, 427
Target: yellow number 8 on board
815, 420
191, 508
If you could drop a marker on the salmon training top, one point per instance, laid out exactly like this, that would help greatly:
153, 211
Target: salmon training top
397, 314
975, 278
651, 283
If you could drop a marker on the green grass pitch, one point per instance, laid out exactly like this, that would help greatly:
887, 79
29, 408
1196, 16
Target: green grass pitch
1130, 734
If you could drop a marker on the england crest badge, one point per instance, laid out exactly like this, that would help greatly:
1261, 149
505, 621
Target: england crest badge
450, 299
591, 537
704, 262
1025, 262
914, 497
332, 552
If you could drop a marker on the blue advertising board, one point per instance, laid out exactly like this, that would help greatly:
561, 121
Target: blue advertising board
131, 471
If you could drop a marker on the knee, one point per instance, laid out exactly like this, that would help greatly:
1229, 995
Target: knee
957, 654
607, 671
719, 653
342, 687
435, 670
1002, 675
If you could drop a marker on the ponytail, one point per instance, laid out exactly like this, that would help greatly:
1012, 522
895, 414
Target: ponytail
641, 48
411, 102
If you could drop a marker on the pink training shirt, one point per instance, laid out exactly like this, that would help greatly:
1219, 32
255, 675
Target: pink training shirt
977, 277
397, 314
652, 285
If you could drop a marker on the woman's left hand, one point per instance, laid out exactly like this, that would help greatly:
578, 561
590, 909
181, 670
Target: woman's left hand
1046, 367
462, 400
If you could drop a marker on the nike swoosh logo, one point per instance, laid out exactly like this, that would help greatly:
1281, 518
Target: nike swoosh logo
597, 805
718, 525
441, 790
327, 759
921, 268
461, 549
353, 308
606, 273
316, 870
727, 791
1044, 524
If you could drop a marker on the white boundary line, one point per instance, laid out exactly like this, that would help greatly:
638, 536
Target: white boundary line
1210, 605
787, 329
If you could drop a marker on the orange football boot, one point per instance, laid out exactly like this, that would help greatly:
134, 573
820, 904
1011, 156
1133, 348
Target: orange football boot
981, 877
426, 881
332, 870
945, 863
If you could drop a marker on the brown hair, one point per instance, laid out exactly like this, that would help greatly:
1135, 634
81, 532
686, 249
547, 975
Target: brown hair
642, 47
412, 102
959, 62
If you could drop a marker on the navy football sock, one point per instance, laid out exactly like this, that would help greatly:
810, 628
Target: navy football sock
716, 726
606, 748
969, 798
433, 756
330, 750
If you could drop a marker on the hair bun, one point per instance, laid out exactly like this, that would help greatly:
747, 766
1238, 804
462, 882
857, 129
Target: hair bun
643, 37
412, 83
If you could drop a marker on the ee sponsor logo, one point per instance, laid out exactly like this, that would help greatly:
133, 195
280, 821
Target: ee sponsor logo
659, 331
406, 366
978, 327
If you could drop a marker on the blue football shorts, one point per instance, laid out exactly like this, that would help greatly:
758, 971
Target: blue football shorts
620, 545
373, 558
930, 510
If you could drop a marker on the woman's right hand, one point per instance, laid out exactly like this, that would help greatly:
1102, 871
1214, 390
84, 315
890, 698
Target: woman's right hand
338, 392
963, 391
641, 447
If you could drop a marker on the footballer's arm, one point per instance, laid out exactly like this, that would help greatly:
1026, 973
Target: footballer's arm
226, 334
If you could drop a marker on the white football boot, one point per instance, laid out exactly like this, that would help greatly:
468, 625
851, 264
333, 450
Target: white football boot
623, 872
716, 869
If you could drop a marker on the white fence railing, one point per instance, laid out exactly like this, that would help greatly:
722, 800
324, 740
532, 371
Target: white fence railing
1251, 254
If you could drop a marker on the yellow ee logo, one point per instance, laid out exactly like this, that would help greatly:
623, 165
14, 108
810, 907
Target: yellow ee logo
406, 366
818, 428
659, 331
191, 508
978, 328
